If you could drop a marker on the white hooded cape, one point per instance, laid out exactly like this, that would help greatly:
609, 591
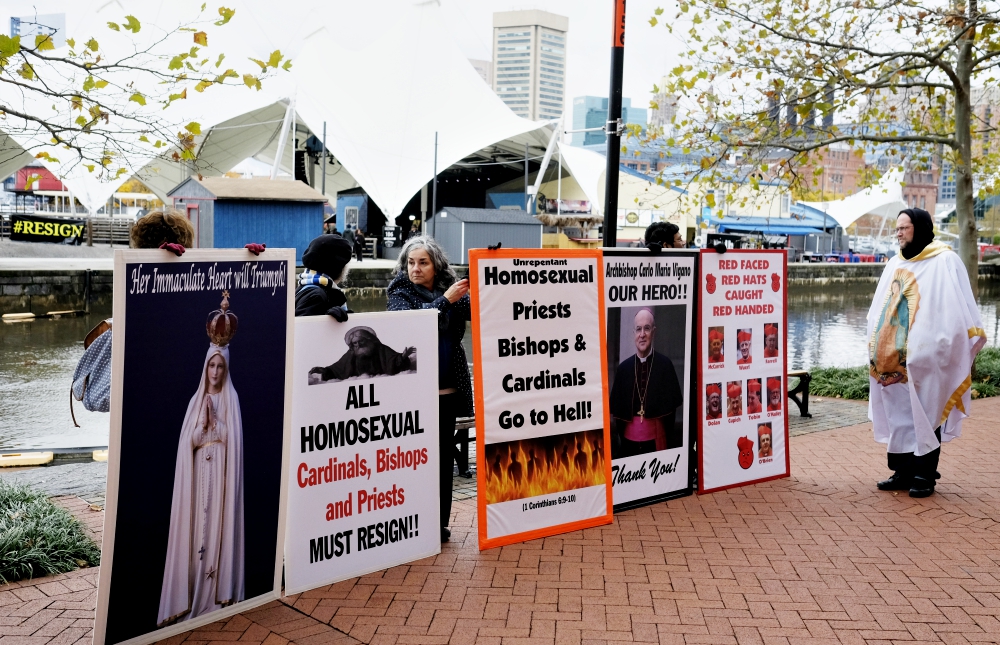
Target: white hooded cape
940, 340
204, 564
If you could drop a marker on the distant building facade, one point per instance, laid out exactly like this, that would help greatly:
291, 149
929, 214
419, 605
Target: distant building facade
592, 112
666, 108
529, 62
484, 68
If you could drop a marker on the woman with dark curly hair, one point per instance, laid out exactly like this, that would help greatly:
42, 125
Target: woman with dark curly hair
424, 280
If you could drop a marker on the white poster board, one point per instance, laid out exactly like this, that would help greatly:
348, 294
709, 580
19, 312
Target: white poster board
743, 406
200, 413
363, 477
650, 308
541, 390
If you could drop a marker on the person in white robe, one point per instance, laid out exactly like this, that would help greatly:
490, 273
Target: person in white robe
204, 568
924, 332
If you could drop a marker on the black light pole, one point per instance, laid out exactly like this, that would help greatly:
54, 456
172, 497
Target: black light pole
323, 184
527, 199
434, 188
614, 119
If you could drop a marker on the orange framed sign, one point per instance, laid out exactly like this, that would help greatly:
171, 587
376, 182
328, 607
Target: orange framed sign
542, 437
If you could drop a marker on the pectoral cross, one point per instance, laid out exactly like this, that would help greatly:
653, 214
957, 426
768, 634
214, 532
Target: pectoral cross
642, 414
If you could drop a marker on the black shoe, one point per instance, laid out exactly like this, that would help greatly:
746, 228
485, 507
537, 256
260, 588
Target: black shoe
445, 534
898, 481
922, 487
467, 474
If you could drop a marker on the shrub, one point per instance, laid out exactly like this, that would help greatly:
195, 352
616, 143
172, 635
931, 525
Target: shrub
845, 382
38, 538
852, 382
986, 372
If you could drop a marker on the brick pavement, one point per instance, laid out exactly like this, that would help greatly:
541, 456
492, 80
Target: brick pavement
819, 558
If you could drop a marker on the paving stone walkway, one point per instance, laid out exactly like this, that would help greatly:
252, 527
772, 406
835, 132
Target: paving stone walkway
819, 558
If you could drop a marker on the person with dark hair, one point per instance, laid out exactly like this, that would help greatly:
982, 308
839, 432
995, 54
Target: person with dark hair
919, 363
663, 235
359, 244
423, 279
318, 291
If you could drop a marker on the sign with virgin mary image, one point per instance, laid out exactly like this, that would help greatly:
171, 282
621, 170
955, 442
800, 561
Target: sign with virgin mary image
200, 413
887, 347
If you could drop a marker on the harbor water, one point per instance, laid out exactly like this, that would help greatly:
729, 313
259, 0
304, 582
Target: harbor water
826, 326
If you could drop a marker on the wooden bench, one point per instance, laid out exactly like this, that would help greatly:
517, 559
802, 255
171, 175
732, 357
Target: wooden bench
800, 393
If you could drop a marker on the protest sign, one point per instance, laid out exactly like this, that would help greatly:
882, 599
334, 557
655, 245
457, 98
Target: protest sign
541, 419
35, 228
363, 481
650, 308
743, 408
200, 411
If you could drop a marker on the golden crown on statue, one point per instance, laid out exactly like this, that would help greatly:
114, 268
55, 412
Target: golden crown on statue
222, 323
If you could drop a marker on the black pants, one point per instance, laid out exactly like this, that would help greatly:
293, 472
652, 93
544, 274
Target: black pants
462, 450
358, 250
447, 413
909, 464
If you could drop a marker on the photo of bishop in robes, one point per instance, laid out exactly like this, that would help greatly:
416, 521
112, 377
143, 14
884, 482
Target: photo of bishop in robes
204, 564
645, 394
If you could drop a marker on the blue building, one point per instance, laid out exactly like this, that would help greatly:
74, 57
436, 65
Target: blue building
592, 112
229, 213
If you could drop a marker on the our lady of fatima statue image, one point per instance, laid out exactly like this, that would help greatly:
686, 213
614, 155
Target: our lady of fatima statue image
204, 565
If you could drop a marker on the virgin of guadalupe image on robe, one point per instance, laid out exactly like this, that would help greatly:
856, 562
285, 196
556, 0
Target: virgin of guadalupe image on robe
887, 347
204, 564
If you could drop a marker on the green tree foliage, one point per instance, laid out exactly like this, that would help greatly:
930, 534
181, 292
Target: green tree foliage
104, 98
902, 78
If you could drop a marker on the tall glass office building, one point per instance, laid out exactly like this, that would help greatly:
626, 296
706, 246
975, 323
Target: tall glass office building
529, 62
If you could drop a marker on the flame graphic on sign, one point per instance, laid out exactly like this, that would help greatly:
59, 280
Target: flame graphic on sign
543, 465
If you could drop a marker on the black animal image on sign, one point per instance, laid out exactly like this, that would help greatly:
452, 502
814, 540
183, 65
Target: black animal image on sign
366, 357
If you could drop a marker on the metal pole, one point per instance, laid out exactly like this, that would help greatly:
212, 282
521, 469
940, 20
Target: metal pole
614, 118
559, 184
527, 198
434, 188
289, 115
323, 183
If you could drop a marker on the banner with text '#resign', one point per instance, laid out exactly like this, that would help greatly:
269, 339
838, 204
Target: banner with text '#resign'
200, 407
541, 420
650, 302
743, 407
34, 228
363, 480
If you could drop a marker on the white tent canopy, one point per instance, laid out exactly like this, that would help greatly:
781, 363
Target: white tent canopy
588, 168
384, 77
884, 199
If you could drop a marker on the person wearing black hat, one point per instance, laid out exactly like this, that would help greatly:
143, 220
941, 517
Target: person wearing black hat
924, 331
318, 291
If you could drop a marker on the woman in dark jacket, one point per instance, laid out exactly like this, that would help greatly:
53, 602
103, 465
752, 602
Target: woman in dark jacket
424, 280
318, 292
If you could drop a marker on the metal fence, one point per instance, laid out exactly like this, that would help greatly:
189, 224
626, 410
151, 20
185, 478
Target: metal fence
98, 231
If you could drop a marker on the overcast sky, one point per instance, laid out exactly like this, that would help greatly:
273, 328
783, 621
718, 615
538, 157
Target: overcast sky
650, 52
